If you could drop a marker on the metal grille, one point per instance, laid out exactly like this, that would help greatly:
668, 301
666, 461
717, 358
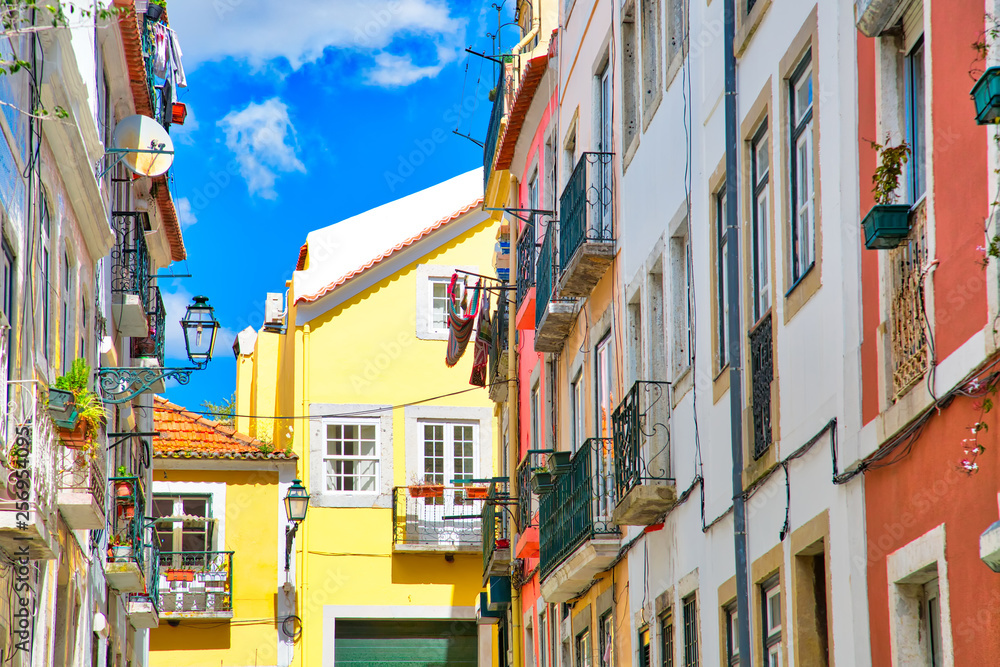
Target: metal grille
761, 375
667, 639
127, 517
641, 436
585, 206
524, 505
906, 317
495, 527
196, 581
153, 344
691, 632
493, 130
451, 521
498, 344
130, 256
526, 252
544, 273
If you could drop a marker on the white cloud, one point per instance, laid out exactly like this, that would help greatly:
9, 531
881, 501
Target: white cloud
263, 139
261, 31
185, 214
393, 71
176, 303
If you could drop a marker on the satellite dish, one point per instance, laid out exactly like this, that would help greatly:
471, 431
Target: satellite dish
144, 145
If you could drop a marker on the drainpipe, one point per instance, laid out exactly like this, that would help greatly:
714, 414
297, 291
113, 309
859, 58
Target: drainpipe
513, 449
735, 336
303, 577
536, 24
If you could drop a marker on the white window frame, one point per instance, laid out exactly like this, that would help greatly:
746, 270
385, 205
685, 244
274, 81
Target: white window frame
416, 416
375, 457
770, 594
449, 473
916, 122
802, 173
604, 384
427, 275
722, 278
681, 347
732, 636
577, 392
761, 219
217, 493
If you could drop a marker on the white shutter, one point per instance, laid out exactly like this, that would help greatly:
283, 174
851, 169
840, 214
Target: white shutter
913, 24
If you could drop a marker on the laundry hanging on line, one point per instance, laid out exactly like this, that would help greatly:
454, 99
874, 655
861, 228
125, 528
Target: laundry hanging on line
461, 320
484, 336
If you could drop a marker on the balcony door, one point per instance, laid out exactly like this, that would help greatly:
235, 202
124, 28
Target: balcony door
185, 529
601, 216
449, 451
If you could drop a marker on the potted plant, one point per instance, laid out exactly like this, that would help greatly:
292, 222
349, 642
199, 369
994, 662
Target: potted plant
559, 462
88, 411
986, 96
123, 488
426, 490
155, 9
541, 481
119, 548
887, 223
477, 492
62, 407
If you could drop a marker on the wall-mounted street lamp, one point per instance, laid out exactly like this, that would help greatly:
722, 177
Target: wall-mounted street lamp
119, 385
296, 505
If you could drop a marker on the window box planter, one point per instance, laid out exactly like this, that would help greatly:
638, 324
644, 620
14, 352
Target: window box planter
986, 96
180, 575
476, 492
559, 462
120, 552
62, 409
541, 481
178, 113
886, 226
75, 438
427, 491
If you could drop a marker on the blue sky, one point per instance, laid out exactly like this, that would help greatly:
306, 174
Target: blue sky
302, 117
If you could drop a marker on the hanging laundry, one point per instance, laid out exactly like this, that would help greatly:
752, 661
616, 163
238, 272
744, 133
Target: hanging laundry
160, 51
176, 64
460, 321
484, 336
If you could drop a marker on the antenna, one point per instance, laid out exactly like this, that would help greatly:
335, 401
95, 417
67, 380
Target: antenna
143, 145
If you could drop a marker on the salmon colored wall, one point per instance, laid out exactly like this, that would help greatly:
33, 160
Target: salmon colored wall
905, 500
960, 171
870, 315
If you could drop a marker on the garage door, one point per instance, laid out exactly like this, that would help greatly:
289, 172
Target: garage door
388, 643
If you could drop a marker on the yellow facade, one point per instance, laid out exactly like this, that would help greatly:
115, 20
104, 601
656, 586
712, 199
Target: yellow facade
363, 357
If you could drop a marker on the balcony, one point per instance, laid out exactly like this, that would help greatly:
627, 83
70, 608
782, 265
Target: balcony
444, 524
493, 131
644, 486
196, 584
907, 324
527, 534
497, 375
143, 608
527, 251
586, 225
126, 561
761, 377
28, 506
130, 274
495, 534
554, 317
148, 352
578, 538
81, 480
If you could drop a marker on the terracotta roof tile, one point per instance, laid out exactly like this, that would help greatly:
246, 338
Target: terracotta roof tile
184, 434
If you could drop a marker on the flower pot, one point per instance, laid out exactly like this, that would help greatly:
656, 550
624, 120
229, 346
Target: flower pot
886, 226
427, 491
178, 113
123, 489
75, 438
62, 409
154, 12
986, 96
541, 481
126, 511
559, 462
477, 492
121, 552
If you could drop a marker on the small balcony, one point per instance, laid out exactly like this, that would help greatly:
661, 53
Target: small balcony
445, 520
148, 352
908, 347
28, 507
527, 252
497, 121
196, 584
527, 504
554, 316
497, 375
143, 608
495, 534
130, 288
578, 538
761, 377
82, 481
126, 559
586, 225
644, 486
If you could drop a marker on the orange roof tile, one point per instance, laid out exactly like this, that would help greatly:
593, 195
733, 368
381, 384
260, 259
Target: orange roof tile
184, 434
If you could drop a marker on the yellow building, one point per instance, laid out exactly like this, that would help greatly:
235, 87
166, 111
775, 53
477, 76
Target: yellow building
352, 376
217, 501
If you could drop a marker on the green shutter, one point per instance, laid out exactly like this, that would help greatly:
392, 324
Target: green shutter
398, 642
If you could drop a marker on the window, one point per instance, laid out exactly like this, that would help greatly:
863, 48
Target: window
803, 192
536, 426
68, 333
533, 192
607, 625
350, 461
577, 410
449, 452
657, 369
630, 86
84, 321
691, 631
932, 623
43, 284
645, 657
553, 636
770, 614
651, 49
732, 636
7, 281
635, 345
601, 217
761, 242
667, 639
439, 305
915, 125
722, 277
187, 526
583, 650
543, 647
605, 391
433, 302
680, 297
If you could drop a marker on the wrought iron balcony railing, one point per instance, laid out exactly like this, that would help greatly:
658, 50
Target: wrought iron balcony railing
493, 130
585, 206
441, 519
761, 375
144, 607
28, 504
641, 436
579, 507
126, 526
498, 344
545, 271
82, 482
130, 257
908, 342
196, 583
153, 344
524, 495
495, 529
527, 250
